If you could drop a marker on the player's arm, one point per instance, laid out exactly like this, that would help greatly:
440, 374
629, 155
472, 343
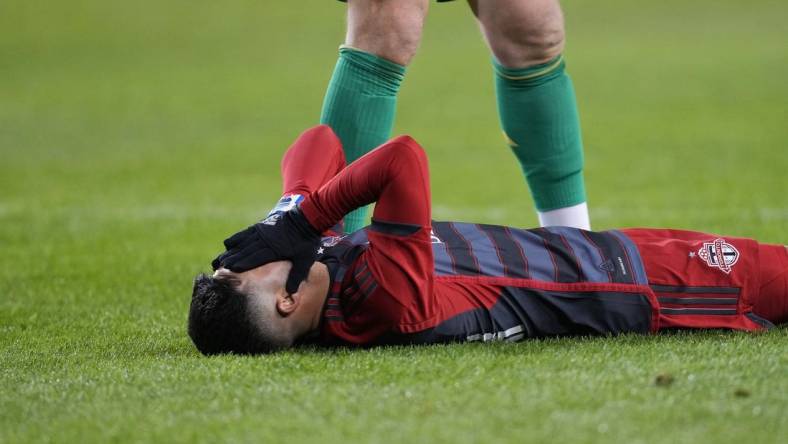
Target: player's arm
395, 175
399, 258
315, 157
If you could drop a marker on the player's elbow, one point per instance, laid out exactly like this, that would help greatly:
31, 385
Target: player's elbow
408, 151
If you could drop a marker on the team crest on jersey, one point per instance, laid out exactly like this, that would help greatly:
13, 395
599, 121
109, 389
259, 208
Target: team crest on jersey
719, 254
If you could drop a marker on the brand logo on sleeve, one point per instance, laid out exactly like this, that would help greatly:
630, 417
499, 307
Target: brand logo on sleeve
719, 254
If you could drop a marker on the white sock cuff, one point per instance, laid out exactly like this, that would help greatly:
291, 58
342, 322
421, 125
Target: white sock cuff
575, 216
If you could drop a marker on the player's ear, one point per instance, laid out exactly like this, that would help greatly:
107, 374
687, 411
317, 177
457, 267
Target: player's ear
286, 304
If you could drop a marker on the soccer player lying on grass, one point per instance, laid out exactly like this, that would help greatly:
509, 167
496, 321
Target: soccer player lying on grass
407, 279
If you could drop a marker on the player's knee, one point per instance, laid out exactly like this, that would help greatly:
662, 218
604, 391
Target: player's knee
525, 34
398, 47
390, 29
518, 48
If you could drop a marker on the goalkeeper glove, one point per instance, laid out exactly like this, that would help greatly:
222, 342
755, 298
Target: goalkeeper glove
281, 236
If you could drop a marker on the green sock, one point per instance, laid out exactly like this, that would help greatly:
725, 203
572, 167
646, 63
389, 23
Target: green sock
539, 119
359, 106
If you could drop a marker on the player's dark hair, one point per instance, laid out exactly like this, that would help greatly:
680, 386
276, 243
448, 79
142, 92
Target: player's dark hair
220, 321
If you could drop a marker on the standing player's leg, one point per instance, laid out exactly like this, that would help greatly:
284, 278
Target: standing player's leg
536, 103
382, 38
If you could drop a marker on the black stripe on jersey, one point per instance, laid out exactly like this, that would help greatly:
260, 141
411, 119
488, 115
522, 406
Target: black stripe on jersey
694, 290
458, 249
352, 305
368, 282
567, 268
362, 275
759, 320
333, 303
349, 295
515, 264
360, 288
612, 253
698, 311
350, 289
394, 228
699, 301
573, 256
368, 291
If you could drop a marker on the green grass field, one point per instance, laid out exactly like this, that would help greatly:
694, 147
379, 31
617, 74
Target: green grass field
135, 135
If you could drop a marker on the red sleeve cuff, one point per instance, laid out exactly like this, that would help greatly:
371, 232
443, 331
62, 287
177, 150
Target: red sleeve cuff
313, 216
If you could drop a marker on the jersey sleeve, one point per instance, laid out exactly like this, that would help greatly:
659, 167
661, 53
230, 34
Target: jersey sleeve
395, 175
315, 157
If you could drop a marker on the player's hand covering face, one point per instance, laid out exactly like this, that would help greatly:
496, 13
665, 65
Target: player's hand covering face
280, 236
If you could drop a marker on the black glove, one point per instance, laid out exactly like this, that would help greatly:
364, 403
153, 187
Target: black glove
280, 236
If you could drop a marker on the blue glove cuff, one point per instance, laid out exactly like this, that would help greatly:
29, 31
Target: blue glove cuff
286, 203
